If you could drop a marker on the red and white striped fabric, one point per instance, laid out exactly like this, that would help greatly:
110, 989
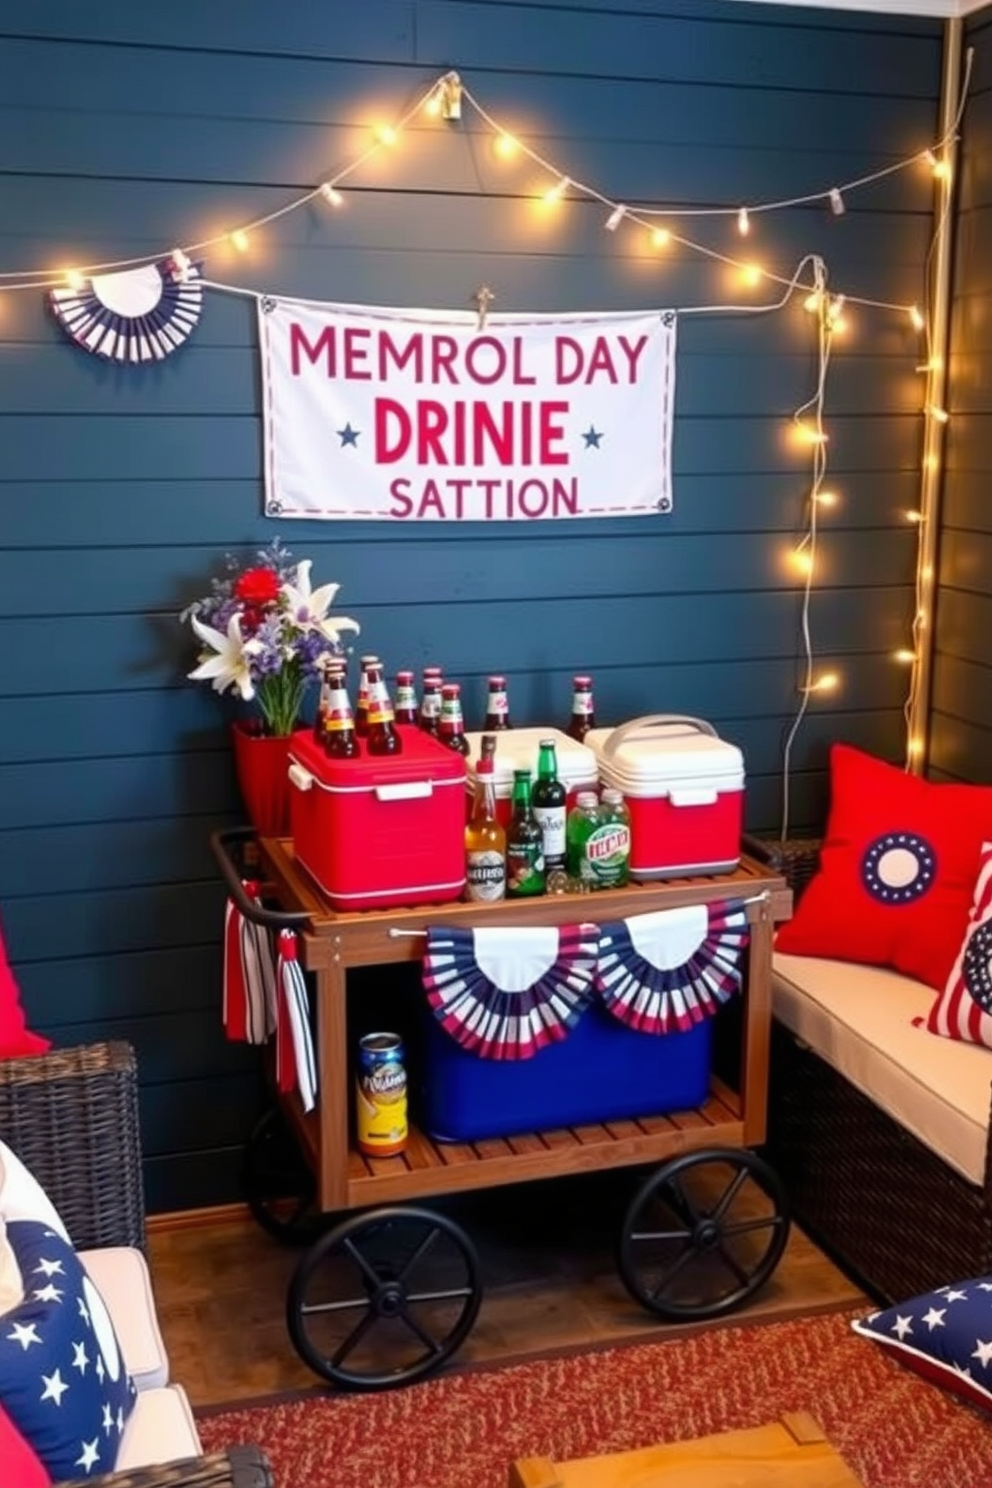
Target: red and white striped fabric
505, 993
963, 1010
665, 971
296, 1064
249, 990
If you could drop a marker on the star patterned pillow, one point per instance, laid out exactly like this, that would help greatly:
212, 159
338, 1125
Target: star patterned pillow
945, 1336
63, 1381
964, 1008
897, 870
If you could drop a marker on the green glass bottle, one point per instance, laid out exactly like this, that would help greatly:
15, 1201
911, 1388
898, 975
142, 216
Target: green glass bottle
548, 801
524, 843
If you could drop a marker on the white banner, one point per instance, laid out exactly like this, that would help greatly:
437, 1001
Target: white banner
393, 415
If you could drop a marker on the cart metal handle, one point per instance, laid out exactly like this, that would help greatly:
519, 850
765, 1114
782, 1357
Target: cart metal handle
269, 919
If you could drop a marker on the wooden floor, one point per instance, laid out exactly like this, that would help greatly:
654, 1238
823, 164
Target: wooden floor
549, 1276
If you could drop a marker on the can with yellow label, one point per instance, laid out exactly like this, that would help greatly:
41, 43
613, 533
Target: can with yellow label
381, 1126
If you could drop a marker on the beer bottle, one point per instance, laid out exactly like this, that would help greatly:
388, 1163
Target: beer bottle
324, 700
497, 705
613, 848
524, 843
451, 725
340, 739
548, 801
362, 702
382, 735
485, 840
583, 709
430, 701
406, 698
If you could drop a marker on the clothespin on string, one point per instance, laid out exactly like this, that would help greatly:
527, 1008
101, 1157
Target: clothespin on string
483, 298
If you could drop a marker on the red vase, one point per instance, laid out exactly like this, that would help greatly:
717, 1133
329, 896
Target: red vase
261, 762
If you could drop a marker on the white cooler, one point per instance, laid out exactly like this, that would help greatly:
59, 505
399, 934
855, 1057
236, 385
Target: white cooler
684, 788
517, 749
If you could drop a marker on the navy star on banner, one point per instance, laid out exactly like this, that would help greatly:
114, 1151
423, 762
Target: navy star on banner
505, 993
664, 972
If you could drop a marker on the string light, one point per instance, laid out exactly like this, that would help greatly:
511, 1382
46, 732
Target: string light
506, 146
615, 218
660, 237
916, 318
837, 202
331, 195
743, 222
240, 240
905, 656
826, 682
556, 192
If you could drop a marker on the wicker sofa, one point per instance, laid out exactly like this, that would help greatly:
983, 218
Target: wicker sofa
71, 1116
879, 1199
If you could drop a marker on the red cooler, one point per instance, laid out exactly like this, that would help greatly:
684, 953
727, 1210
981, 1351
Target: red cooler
684, 788
517, 749
380, 830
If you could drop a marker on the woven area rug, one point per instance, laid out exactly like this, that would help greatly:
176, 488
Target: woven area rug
461, 1430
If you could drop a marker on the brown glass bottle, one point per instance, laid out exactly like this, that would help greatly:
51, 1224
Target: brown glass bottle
583, 709
340, 738
405, 706
451, 726
362, 701
324, 700
382, 735
497, 705
429, 717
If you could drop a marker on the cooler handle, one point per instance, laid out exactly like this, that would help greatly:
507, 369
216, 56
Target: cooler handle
300, 777
405, 790
652, 721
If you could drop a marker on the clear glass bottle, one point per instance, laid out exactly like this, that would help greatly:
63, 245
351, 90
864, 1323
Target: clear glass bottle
485, 840
548, 801
583, 822
583, 709
525, 875
612, 840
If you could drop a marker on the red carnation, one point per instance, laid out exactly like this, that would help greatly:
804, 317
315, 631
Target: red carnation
258, 586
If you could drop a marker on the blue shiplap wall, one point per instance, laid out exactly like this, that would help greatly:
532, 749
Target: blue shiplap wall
130, 128
961, 714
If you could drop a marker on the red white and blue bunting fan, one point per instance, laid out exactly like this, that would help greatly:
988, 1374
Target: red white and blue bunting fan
506, 993
664, 972
137, 315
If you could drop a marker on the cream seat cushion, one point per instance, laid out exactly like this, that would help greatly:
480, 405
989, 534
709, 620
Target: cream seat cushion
160, 1429
859, 1019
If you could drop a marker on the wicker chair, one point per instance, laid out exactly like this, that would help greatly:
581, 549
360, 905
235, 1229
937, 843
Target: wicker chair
72, 1118
880, 1202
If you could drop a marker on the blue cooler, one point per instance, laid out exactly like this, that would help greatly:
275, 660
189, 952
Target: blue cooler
601, 1071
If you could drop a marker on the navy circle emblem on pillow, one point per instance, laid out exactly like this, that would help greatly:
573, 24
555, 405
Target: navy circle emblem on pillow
898, 867
977, 966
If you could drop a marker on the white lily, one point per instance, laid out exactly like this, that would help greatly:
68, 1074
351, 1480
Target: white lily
230, 666
309, 607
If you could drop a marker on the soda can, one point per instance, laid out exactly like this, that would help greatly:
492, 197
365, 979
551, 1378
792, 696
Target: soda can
381, 1110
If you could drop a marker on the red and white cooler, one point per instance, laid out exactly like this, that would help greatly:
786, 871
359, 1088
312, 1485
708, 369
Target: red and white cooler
684, 788
517, 749
380, 830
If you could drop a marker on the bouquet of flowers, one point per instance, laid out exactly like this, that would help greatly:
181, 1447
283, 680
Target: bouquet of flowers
265, 634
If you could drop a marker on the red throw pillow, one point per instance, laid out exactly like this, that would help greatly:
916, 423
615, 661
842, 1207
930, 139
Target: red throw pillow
15, 1037
964, 1008
20, 1466
897, 870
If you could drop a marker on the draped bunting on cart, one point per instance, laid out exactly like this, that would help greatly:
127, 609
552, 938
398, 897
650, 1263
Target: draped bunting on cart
663, 972
505, 993
265, 993
295, 1061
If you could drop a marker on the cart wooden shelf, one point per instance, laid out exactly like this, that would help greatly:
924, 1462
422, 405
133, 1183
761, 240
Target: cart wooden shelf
334, 942
729, 1119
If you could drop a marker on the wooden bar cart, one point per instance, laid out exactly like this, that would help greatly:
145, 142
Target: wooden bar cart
703, 1232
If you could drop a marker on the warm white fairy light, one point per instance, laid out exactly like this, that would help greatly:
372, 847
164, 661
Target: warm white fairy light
660, 237
240, 240
916, 318
75, 280
331, 195
837, 202
506, 146
556, 192
615, 218
743, 222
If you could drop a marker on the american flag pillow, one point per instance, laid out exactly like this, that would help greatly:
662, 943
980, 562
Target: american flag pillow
944, 1335
63, 1381
963, 1010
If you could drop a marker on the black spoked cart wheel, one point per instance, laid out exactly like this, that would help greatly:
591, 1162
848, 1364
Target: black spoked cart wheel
278, 1185
384, 1298
705, 1231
